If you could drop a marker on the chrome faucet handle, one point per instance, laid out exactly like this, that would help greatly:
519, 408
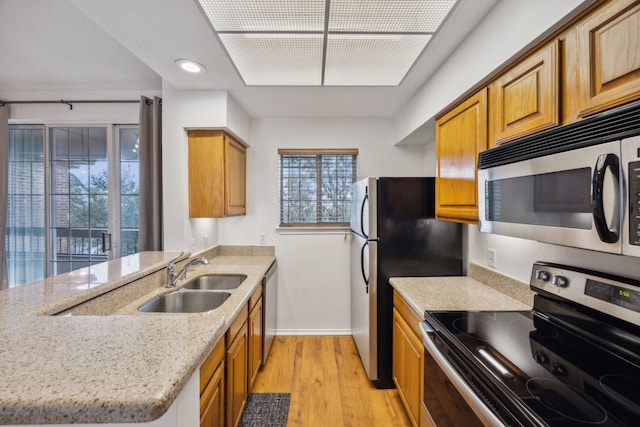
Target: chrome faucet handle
171, 270
172, 262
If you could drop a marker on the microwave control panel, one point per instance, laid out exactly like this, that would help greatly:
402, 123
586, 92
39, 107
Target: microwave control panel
634, 203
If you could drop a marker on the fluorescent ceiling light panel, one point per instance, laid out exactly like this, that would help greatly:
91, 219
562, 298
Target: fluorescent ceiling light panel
276, 59
393, 16
325, 42
265, 15
371, 60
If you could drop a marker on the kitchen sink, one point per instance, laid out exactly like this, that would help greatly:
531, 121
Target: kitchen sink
216, 282
185, 302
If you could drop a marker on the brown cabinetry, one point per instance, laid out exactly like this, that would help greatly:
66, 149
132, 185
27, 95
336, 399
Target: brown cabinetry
525, 98
255, 335
236, 361
408, 358
212, 389
460, 135
609, 56
217, 175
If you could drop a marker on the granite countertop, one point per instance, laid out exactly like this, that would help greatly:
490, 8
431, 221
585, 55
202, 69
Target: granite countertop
463, 292
125, 367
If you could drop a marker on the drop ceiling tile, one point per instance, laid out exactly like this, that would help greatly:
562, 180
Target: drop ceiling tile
371, 60
276, 59
265, 15
388, 16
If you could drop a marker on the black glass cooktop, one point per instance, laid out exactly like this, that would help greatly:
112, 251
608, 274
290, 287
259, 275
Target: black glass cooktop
543, 372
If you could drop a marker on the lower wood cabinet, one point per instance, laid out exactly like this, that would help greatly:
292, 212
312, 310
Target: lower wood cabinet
230, 370
212, 388
236, 361
408, 358
255, 335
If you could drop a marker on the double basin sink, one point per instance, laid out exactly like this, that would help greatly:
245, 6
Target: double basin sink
201, 294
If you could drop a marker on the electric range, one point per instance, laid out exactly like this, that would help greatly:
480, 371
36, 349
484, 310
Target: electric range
573, 360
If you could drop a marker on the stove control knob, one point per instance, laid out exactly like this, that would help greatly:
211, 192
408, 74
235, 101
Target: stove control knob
542, 275
540, 357
560, 281
557, 369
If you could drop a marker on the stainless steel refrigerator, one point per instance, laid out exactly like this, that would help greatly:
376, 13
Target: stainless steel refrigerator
393, 234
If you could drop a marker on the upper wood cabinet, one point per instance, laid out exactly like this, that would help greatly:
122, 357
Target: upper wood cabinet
525, 98
217, 175
609, 56
460, 135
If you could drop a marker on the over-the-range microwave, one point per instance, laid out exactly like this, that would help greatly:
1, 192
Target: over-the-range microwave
577, 185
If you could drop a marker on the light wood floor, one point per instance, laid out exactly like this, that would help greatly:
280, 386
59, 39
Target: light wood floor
328, 384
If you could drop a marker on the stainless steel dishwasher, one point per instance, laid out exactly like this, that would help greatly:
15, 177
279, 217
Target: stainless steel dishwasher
269, 303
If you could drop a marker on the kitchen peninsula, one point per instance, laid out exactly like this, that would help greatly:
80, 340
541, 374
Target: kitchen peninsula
71, 353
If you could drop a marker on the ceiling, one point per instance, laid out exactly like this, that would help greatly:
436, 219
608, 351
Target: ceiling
58, 46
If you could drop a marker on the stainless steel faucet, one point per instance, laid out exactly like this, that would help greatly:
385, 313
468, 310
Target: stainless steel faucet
171, 270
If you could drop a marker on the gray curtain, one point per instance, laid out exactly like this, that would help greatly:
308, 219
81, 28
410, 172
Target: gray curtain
4, 190
150, 155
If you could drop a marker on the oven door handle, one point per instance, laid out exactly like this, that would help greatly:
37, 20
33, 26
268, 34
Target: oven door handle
608, 233
477, 405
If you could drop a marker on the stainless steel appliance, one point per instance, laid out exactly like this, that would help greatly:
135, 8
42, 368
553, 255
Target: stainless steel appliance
394, 234
577, 185
574, 360
269, 309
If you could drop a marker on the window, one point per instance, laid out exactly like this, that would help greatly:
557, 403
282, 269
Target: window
69, 186
315, 186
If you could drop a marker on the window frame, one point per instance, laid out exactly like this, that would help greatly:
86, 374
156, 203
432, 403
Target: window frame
307, 226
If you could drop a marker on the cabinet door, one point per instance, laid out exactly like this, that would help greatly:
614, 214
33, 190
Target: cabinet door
236, 361
460, 135
408, 366
526, 97
235, 177
212, 401
609, 56
255, 341
206, 174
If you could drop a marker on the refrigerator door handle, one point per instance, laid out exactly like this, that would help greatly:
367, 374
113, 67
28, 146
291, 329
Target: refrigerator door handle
364, 275
364, 203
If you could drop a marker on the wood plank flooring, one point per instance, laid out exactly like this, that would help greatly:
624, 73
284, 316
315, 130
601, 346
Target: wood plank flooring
328, 384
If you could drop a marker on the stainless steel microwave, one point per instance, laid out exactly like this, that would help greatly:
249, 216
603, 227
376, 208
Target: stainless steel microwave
577, 186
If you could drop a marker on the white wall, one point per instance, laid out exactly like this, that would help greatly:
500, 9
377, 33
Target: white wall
183, 110
314, 269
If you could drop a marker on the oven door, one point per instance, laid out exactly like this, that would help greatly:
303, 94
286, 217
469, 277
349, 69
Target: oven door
573, 198
448, 399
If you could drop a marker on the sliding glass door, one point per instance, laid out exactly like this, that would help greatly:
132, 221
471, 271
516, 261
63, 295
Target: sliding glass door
73, 198
26, 232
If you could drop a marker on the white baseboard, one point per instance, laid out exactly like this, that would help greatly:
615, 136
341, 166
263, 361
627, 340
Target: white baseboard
313, 332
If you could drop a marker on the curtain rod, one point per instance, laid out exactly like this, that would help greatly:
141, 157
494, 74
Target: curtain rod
70, 103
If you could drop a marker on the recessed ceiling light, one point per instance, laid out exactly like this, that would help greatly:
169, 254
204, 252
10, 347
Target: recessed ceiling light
190, 66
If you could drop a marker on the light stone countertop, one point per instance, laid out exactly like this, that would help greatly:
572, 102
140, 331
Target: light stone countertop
126, 367
463, 293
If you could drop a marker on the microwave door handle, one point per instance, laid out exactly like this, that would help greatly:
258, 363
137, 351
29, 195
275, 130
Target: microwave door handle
608, 233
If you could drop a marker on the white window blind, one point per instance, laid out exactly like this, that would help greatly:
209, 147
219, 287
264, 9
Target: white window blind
315, 186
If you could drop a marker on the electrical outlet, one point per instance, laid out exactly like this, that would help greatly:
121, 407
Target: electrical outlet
263, 239
192, 245
491, 257
205, 241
